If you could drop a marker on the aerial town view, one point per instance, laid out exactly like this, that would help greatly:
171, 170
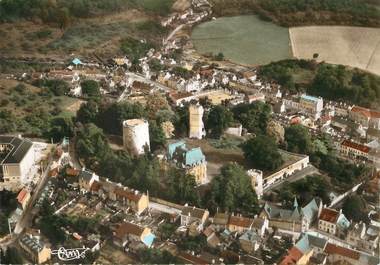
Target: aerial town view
190, 132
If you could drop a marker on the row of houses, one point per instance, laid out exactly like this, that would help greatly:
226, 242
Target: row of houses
135, 200
313, 249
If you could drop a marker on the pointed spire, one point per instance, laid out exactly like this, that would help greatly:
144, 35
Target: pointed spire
295, 204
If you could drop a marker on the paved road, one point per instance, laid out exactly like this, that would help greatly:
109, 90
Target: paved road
309, 170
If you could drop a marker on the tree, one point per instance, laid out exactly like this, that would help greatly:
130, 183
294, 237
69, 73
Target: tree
111, 117
354, 209
218, 120
276, 131
157, 136
156, 256
61, 127
219, 57
232, 190
254, 117
167, 230
92, 144
154, 103
261, 153
90, 88
298, 139
181, 187
88, 112
181, 122
10, 256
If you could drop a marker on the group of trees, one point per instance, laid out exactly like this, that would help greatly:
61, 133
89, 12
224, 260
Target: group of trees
328, 81
354, 86
231, 191
262, 153
304, 190
304, 12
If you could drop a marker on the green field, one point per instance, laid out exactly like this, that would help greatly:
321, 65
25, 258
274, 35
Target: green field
243, 39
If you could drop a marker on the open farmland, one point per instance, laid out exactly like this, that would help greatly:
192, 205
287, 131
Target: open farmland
352, 46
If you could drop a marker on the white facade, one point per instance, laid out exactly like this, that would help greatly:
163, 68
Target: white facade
136, 136
257, 181
197, 129
17, 174
285, 172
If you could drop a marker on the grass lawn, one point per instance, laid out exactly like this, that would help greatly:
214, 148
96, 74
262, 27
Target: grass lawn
162, 7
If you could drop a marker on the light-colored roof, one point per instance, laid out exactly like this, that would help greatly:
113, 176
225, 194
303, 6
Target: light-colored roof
310, 98
193, 212
134, 122
194, 156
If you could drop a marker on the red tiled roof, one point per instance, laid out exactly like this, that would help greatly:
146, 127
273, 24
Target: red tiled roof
360, 147
177, 96
366, 112
72, 171
329, 215
96, 185
190, 259
240, 221
345, 252
21, 196
126, 193
292, 257
128, 228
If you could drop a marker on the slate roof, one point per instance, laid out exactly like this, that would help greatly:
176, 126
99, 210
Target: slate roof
18, 148
185, 156
309, 211
172, 148
250, 236
85, 175
32, 243
194, 156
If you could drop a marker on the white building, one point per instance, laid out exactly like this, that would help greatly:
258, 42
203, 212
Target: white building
257, 181
311, 105
136, 136
16, 162
197, 129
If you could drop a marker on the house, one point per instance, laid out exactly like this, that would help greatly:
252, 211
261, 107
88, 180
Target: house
363, 237
193, 161
239, 224
191, 215
354, 150
137, 201
23, 198
311, 105
17, 157
86, 178
297, 219
260, 225
128, 233
300, 162
220, 220
307, 247
250, 241
35, 248
367, 117
333, 222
